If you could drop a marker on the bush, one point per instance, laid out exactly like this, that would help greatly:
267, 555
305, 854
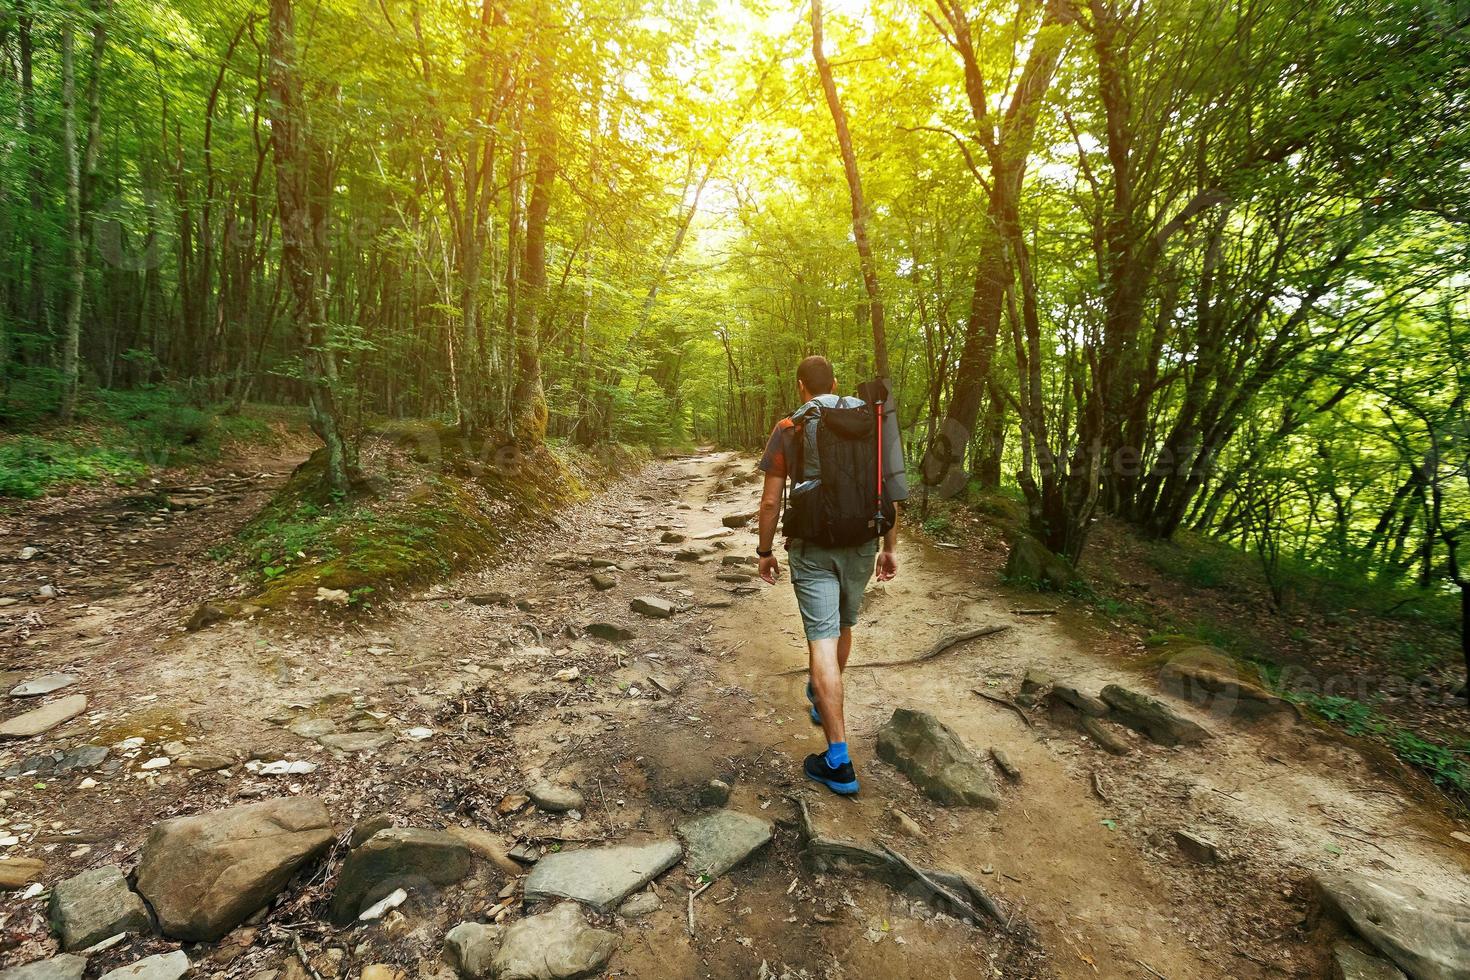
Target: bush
29, 465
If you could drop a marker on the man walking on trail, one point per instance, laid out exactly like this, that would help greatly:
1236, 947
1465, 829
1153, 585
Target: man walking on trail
830, 568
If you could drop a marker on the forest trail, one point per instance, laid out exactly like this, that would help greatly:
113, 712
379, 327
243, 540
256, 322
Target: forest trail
491, 678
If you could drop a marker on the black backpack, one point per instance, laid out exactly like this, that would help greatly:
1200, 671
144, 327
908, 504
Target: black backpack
844, 503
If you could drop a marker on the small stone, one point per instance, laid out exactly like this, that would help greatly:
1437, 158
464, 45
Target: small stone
27, 553
367, 827
312, 727
552, 797
16, 873
356, 741
716, 792
738, 520
491, 599
907, 825
43, 685
94, 905
1083, 702
164, 966
1006, 766
1351, 963
44, 718
644, 903
668, 577
1197, 848
524, 853
1033, 685
567, 674
204, 761
63, 967
555, 945
380, 971
602, 581
162, 762
1098, 730
284, 767
720, 840
383, 906
654, 606
205, 614
611, 632
511, 803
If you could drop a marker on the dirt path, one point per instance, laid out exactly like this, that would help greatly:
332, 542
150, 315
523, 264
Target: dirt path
1096, 888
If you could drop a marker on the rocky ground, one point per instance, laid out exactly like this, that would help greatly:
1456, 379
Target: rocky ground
585, 760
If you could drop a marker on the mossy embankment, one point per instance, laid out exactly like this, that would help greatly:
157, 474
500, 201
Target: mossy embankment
120, 437
429, 503
1377, 662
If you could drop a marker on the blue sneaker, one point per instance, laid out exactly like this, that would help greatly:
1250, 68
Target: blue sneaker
816, 715
841, 780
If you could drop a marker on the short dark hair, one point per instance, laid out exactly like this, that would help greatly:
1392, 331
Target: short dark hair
815, 373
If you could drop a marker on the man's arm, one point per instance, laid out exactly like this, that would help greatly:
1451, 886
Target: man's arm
888, 557
770, 513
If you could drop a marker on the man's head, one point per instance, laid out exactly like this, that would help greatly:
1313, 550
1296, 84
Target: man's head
814, 377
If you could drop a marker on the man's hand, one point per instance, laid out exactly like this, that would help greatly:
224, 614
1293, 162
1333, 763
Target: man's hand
887, 565
770, 569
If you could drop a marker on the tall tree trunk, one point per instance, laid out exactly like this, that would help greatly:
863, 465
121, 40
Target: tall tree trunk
302, 248
76, 258
855, 194
1007, 140
36, 299
529, 409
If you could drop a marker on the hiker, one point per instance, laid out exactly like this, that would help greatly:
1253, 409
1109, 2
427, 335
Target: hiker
839, 525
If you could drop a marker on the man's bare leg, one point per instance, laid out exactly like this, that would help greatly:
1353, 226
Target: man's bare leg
827, 658
844, 647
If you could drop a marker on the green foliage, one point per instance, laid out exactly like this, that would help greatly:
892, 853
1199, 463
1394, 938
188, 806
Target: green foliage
30, 465
1447, 766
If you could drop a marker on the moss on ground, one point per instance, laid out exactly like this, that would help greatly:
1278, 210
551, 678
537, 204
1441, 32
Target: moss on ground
430, 503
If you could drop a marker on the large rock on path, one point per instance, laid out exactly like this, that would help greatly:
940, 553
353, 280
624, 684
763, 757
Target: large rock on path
164, 966
1214, 687
1428, 937
600, 877
555, 945
403, 857
206, 874
720, 840
932, 756
470, 947
93, 906
1030, 563
44, 718
63, 967
1152, 717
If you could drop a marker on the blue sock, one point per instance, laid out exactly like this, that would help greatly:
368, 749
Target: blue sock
837, 754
